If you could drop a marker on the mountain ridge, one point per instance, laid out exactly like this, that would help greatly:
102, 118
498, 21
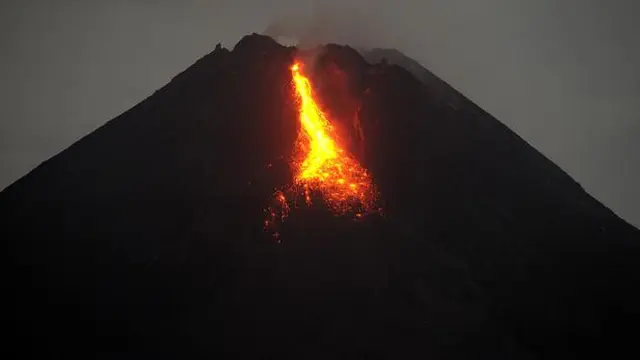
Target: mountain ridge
151, 228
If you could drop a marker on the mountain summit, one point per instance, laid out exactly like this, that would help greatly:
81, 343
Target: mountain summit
148, 235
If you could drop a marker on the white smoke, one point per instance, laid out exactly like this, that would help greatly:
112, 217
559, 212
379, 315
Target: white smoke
330, 21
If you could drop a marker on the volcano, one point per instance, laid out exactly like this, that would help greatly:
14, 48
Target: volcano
148, 236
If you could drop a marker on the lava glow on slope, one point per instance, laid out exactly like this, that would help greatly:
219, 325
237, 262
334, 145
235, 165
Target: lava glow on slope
321, 165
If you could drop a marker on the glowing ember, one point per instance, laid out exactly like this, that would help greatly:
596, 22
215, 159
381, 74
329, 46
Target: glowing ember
321, 164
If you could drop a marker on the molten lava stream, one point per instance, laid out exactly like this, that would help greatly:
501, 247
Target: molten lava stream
321, 164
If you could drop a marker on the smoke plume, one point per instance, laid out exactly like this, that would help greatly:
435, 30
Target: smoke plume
331, 21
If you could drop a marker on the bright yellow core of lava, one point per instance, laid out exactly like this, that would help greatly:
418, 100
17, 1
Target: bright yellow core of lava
321, 163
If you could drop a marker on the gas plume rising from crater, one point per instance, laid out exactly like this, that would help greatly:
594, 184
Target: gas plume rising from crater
307, 25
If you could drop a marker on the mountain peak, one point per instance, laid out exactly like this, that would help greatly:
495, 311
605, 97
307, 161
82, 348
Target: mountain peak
148, 235
255, 41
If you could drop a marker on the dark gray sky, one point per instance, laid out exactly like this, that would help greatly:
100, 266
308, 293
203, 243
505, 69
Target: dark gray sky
563, 74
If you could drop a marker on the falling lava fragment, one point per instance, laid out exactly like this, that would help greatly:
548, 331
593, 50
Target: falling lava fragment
321, 165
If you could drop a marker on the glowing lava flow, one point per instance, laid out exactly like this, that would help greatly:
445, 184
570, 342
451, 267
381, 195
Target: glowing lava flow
321, 163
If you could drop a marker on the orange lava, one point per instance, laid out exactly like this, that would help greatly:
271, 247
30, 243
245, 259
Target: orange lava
321, 163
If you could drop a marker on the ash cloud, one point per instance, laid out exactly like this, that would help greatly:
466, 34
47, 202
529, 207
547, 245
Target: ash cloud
312, 24
320, 22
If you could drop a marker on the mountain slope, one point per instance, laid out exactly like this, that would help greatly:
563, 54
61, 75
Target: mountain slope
150, 229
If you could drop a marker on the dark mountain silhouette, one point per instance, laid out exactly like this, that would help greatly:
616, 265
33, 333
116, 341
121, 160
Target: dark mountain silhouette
435, 87
146, 236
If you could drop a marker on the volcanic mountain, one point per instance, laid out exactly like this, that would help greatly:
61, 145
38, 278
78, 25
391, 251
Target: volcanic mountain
148, 235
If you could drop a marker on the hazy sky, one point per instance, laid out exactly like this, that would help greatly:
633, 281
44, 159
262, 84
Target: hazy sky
561, 73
